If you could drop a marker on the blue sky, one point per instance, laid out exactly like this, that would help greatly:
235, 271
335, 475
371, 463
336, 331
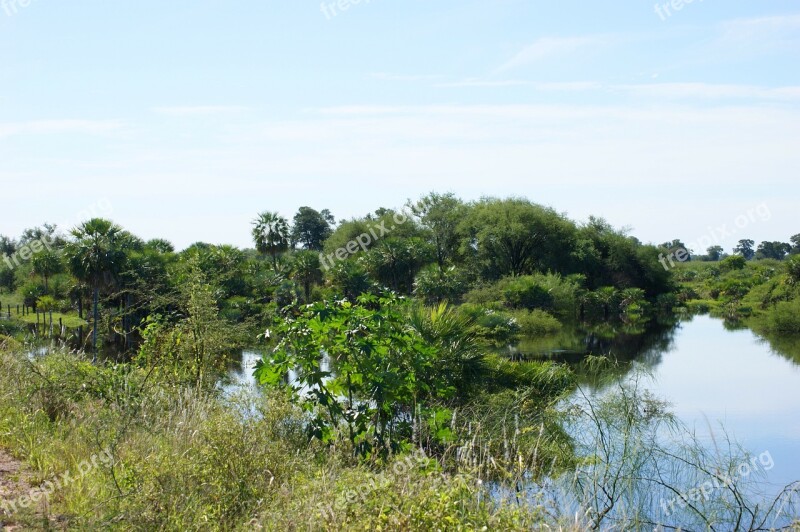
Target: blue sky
191, 117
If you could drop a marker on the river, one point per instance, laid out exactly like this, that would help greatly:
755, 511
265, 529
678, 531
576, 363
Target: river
712, 376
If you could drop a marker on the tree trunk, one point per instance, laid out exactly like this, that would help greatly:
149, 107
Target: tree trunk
94, 331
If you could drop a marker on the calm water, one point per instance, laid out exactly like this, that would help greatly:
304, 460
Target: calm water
711, 376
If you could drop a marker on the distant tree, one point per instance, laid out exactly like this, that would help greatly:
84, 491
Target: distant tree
45, 232
440, 214
271, 234
160, 245
773, 250
46, 264
715, 253
328, 217
675, 246
311, 228
7, 245
745, 249
94, 256
516, 237
795, 240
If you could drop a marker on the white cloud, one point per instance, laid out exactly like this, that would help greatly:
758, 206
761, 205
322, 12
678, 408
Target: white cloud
200, 110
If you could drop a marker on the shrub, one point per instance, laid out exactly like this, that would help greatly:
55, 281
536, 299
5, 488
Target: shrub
536, 322
734, 262
785, 317
525, 292
489, 324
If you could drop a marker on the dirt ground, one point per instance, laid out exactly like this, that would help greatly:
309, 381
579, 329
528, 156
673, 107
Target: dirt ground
12, 485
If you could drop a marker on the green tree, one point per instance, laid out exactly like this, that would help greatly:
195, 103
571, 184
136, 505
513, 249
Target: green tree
675, 246
745, 249
306, 271
795, 240
516, 237
46, 264
395, 262
773, 250
311, 228
7, 245
160, 245
47, 232
440, 214
94, 256
715, 253
271, 234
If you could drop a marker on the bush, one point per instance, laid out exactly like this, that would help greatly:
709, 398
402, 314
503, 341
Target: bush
492, 325
525, 292
536, 322
549, 292
734, 262
785, 317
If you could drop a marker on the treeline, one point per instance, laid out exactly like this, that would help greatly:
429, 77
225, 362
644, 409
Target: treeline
745, 248
438, 248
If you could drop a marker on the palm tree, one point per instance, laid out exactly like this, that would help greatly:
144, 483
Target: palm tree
46, 264
271, 234
95, 255
461, 360
606, 296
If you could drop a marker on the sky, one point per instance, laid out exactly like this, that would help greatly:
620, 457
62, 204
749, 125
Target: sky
183, 120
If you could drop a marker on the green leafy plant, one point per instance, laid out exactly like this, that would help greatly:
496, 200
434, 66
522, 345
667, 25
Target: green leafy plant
383, 369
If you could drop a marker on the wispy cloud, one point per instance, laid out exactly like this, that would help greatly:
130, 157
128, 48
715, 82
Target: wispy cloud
759, 35
43, 127
710, 91
673, 91
538, 85
385, 76
545, 48
200, 110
